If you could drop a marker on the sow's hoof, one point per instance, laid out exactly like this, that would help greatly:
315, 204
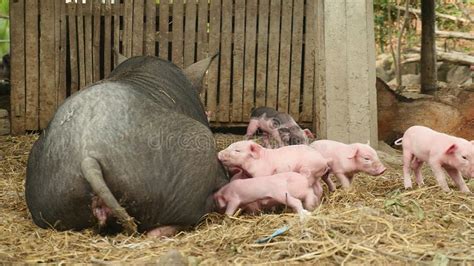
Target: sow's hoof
163, 231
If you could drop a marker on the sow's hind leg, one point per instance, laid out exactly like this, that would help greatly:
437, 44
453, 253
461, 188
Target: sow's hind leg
93, 174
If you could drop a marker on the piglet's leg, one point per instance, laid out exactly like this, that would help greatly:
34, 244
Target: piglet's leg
232, 206
251, 128
266, 140
164, 231
345, 182
318, 190
311, 200
439, 174
407, 158
457, 178
276, 135
285, 197
417, 169
329, 182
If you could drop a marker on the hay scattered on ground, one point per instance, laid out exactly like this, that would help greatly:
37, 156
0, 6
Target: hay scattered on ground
375, 222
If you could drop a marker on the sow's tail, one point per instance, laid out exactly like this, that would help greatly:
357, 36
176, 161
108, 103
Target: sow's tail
398, 142
93, 174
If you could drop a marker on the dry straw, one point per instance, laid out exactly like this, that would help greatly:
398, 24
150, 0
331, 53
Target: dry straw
376, 222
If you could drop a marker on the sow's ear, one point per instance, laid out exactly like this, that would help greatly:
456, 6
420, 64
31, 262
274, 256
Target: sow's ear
255, 150
196, 72
452, 149
120, 57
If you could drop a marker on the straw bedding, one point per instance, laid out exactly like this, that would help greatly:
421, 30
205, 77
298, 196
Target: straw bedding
376, 222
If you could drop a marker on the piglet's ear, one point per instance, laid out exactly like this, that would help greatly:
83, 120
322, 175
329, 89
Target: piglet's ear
472, 141
255, 150
353, 153
452, 149
308, 133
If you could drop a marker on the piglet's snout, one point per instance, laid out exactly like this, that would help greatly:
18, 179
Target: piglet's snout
381, 170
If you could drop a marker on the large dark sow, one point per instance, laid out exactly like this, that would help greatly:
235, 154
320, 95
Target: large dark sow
136, 144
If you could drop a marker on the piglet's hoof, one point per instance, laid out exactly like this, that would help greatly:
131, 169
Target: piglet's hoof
163, 231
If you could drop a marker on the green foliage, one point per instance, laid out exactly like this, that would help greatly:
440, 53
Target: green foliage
4, 27
381, 21
382, 25
453, 10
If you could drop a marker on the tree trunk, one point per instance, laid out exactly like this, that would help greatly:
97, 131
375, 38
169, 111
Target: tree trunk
428, 47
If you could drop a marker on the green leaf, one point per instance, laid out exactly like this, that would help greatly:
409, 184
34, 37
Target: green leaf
392, 202
417, 210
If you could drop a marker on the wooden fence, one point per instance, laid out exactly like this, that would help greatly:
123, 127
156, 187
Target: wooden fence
267, 51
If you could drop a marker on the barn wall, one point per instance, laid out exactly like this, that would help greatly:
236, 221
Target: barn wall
312, 59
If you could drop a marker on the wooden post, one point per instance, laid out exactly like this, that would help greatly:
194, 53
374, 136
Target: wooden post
428, 75
345, 101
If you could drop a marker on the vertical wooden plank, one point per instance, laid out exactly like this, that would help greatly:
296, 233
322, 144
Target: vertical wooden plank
238, 60
107, 37
150, 27
273, 52
262, 52
81, 45
61, 50
190, 32
47, 92
137, 41
32, 67
214, 40
177, 45
296, 62
73, 41
202, 43
316, 31
96, 40
226, 62
309, 59
128, 28
116, 8
285, 56
17, 49
88, 42
56, 35
202, 31
250, 58
164, 28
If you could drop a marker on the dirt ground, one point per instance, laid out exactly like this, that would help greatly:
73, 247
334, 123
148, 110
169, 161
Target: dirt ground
376, 222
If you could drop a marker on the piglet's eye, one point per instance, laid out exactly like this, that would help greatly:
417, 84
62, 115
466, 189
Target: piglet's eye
367, 159
464, 157
237, 150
